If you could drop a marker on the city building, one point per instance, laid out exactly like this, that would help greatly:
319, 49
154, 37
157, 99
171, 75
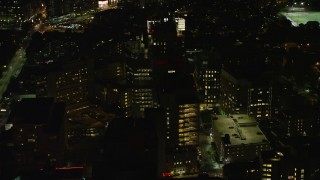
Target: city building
38, 132
165, 48
142, 99
232, 99
113, 28
181, 161
211, 84
60, 7
162, 35
83, 5
177, 125
182, 121
271, 163
242, 170
207, 74
115, 98
111, 86
69, 84
172, 160
14, 12
157, 117
281, 88
54, 8
142, 87
299, 115
157, 89
238, 138
297, 159
177, 95
188, 124
240, 95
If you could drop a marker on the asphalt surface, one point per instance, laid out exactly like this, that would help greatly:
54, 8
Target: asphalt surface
14, 67
208, 165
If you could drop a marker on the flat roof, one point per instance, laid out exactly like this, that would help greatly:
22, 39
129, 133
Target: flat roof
32, 111
241, 128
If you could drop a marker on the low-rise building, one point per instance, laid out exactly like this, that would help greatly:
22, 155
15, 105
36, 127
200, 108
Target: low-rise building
238, 138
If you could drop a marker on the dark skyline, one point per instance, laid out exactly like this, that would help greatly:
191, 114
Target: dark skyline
157, 89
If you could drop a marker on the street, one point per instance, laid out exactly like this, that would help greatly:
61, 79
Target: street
14, 67
208, 165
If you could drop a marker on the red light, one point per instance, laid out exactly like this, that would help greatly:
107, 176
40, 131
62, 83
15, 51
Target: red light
161, 62
166, 174
69, 168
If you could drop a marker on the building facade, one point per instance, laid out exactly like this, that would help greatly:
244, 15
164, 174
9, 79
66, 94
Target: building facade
239, 95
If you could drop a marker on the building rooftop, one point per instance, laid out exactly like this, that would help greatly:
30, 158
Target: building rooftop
33, 111
239, 129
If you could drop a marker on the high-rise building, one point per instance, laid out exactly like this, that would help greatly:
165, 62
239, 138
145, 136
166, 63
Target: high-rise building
240, 95
177, 125
178, 97
162, 35
211, 86
172, 160
208, 76
165, 48
142, 99
233, 94
157, 117
188, 124
281, 88
259, 102
143, 87
70, 85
